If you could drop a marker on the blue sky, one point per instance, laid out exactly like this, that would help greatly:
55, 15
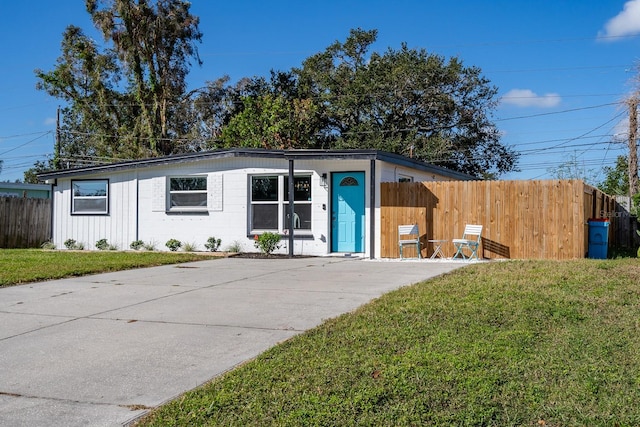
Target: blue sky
562, 68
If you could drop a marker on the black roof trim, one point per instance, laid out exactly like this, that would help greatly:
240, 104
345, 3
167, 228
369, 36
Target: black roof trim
256, 152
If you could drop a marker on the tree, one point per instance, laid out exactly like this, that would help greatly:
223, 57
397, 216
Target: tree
31, 175
271, 115
572, 169
125, 101
405, 101
206, 113
616, 181
85, 79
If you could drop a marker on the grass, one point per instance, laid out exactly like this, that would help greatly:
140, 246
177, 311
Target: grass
501, 344
19, 266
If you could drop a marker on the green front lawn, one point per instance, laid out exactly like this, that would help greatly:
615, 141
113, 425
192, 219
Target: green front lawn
519, 343
19, 266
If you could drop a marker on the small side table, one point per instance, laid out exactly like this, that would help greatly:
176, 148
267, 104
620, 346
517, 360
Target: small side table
437, 248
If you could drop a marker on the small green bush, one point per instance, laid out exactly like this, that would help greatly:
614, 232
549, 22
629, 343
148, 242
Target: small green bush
136, 245
73, 245
173, 244
102, 245
267, 242
212, 244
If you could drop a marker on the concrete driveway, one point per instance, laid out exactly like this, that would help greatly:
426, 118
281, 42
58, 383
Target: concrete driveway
102, 350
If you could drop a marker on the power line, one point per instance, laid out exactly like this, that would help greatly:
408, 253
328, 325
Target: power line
571, 110
26, 143
3, 138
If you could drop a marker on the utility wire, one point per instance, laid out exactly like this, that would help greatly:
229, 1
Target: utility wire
559, 112
26, 143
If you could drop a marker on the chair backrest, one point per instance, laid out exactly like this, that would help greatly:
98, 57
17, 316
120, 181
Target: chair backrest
472, 230
406, 230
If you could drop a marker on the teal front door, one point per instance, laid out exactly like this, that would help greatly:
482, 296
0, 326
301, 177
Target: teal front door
347, 212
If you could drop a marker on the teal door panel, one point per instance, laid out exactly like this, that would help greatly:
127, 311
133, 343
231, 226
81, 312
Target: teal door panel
347, 212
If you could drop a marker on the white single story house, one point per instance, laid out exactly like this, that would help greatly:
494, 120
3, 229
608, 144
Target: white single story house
234, 195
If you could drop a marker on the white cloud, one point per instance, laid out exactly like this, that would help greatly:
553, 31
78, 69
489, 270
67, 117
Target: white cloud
625, 23
528, 98
621, 130
49, 121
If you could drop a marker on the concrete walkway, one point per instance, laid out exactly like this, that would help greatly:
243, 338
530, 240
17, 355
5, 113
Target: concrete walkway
101, 350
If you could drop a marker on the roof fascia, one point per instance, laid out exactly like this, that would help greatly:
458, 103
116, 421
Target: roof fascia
258, 153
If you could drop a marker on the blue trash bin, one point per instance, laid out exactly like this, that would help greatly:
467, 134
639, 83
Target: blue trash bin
598, 238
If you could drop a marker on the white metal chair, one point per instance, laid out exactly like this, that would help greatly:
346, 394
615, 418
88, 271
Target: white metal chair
470, 240
409, 235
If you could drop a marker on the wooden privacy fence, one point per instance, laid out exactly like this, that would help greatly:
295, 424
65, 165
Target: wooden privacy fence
521, 219
24, 222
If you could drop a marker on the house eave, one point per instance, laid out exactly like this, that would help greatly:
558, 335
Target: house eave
299, 154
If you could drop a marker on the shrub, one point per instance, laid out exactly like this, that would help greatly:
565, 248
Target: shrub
136, 245
212, 244
73, 245
173, 244
235, 247
190, 247
267, 242
48, 245
151, 246
102, 245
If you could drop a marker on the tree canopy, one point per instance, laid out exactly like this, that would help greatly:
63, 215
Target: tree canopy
130, 100
616, 182
123, 101
408, 102
403, 101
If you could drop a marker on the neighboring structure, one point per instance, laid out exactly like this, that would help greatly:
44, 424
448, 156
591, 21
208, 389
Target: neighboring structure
18, 189
234, 195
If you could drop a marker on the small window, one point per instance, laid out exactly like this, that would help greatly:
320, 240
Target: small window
349, 181
405, 178
90, 197
188, 193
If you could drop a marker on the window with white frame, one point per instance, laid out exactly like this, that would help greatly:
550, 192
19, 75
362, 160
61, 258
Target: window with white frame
90, 197
188, 193
270, 203
405, 178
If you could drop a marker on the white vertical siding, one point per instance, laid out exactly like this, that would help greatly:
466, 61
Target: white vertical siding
118, 226
392, 173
